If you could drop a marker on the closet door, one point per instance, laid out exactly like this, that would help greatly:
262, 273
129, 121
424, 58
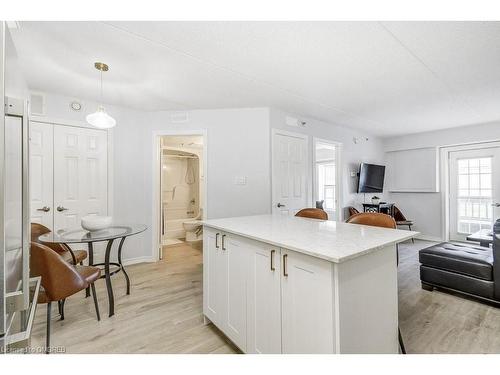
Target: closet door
80, 174
41, 173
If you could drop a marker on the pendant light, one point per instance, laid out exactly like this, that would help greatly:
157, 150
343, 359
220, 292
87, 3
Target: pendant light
100, 119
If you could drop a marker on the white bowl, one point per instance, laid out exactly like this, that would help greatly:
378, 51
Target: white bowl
94, 223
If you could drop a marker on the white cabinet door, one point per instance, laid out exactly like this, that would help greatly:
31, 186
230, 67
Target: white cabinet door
289, 172
307, 304
263, 299
235, 305
41, 173
213, 275
80, 174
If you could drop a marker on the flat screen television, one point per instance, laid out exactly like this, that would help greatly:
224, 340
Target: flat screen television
371, 178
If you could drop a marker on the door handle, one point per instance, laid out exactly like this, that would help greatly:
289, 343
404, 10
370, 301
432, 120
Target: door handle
495, 204
285, 271
61, 208
279, 205
217, 240
223, 247
272, 260
44, 209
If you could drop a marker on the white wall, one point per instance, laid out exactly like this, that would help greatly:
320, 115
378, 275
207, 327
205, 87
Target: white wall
238, 143
426, 208
127, 157
370, 151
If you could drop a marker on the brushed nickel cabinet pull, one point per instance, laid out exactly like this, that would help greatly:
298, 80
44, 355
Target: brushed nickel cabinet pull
223, 247
272, 260
217, 240
285, 272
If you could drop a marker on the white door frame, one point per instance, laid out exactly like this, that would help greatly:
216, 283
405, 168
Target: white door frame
109, 135
275, 131
156, 181
445, 180
338, 174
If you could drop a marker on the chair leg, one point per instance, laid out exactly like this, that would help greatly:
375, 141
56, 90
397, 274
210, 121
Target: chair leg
412, 239
96, 304
397, 254
47, 339
401, 343
60, 306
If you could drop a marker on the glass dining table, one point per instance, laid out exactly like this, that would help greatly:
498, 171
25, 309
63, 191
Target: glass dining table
109, 235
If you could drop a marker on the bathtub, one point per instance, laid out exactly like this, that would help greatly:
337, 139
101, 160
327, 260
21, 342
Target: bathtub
172, 222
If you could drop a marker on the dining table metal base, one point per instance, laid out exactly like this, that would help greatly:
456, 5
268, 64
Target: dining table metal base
108, 272
108, 235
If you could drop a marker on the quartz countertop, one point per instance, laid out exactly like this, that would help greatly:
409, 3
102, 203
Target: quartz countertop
330, 240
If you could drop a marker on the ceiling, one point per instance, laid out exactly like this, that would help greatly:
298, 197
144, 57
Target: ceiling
388, 78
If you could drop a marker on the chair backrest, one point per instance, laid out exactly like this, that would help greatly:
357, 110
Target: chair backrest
353, 211
320, 204
59, 278
37, 230
312, 213
373, 219
398, 215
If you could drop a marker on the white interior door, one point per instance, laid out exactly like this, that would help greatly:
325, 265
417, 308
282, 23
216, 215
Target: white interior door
289, 173
80, 174
474, 190
41, 173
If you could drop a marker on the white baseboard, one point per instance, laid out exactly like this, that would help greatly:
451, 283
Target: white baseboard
147, 259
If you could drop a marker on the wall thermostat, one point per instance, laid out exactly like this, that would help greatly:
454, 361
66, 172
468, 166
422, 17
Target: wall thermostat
75, 106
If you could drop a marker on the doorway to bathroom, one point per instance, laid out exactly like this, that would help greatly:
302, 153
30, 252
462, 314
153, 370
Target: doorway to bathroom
182, 190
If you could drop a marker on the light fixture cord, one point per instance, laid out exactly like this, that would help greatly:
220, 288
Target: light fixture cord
101, 85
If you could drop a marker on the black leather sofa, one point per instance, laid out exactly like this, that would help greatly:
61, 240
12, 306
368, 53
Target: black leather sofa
463, 268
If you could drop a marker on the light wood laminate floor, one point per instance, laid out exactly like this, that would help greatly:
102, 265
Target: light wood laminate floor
163, 314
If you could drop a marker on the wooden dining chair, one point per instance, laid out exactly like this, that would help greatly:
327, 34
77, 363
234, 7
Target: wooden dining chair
72, 256
376, 219
60, 279
312, 213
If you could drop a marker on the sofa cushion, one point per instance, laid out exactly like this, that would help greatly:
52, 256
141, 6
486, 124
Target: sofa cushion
470, 260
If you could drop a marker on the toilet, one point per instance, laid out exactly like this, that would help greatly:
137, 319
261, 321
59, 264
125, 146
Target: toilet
193, 228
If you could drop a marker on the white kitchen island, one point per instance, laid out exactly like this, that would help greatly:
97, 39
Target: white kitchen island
279, 284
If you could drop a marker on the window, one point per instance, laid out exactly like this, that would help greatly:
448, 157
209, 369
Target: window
474, 195
326, 176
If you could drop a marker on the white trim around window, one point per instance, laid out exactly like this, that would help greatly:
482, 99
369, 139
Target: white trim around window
338, 176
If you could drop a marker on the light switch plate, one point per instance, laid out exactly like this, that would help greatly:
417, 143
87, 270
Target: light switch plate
240, 180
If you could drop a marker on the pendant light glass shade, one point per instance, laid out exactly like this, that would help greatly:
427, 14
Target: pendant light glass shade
100, 119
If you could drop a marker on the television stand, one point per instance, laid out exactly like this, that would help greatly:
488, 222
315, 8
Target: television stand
384, 208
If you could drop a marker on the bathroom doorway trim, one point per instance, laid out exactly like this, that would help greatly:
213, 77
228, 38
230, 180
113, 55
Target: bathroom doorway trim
156, 196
